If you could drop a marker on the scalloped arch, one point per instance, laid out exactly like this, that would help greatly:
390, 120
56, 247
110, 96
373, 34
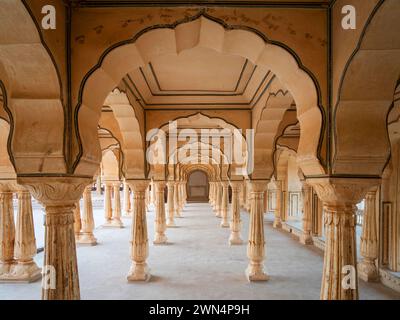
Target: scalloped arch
33, 88
208, 33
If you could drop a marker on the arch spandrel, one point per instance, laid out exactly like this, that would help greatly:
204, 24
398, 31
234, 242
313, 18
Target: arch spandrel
363, 104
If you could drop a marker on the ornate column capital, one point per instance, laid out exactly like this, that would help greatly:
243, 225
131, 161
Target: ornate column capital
160, 185
225, 184
53, 191
138, 185
258, 185
342, 191
235, 185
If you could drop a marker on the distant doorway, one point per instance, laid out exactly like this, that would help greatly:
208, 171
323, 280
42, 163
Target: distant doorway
197, 187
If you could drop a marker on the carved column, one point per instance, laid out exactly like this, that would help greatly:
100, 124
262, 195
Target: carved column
306, 237
7, 232
278, 205
152, 193
211, 193
369, 240
235, 237
182, 194
243, 194
77, 221
248, 196
127, 200
108, 212
219, 200
139, 241
171, 207
176, 199
25, 243
225, 204
98, 185
87, 237
59, 196
256, 244
116, 220
160, 222
339, 197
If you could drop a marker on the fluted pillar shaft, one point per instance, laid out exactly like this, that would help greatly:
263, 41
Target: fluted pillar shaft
7, 232
176, 199
256, 244
77, 221
98, 185
127, 200
139, 239
219, 200
108, 212
211, 193
235, 237
25, 242
339, 197
87, 237
225, 205
160, 222
306, 237
369, 240
278, 205
248, 196
116, 220
171, 207
59, 196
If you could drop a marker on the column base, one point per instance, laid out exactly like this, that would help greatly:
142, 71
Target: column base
306, 239
171, 224
224, 224
235, 239
87, 239
160, 239
139, 272
367, 271
113, 224
22, 272
255, 272
277, 224
5, 268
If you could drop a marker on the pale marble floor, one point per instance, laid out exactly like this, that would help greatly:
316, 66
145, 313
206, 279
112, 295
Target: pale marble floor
197, 264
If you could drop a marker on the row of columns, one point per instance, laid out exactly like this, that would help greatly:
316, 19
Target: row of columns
60, 196
17, 241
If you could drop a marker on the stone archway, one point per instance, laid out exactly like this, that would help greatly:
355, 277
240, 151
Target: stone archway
207, 33
197, 186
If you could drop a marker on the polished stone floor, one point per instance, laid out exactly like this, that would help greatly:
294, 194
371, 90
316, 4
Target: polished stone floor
197, 263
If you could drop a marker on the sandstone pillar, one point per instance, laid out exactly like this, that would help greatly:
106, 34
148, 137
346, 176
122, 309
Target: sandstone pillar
77, 221
87, 237
171, 207
369, 240
306, 237
116, 220
211, 193
98, 185
235, 237
7, 232
139, 241
127, 200
176, 200
219, 200
339, 197
25, 242
160, 221
108, 212
278, 205
248, 196
225, 204
256, 244
59, 196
